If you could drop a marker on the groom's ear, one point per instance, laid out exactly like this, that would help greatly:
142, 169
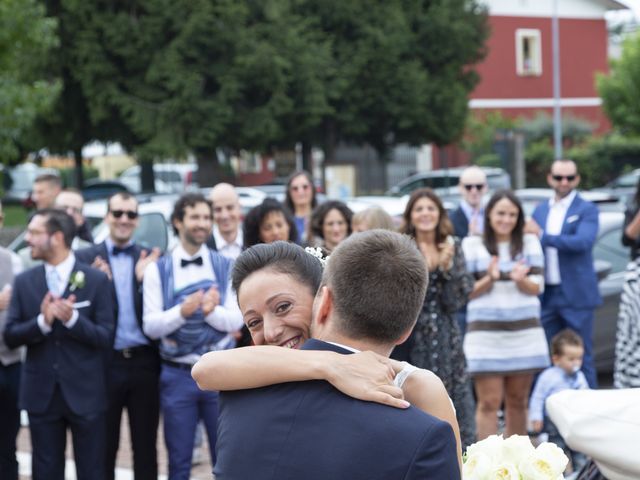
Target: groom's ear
325, 305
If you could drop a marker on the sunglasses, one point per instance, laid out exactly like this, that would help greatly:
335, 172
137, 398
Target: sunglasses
559, 178
130, 214
471, 186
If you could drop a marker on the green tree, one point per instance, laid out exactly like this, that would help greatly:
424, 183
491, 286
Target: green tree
620, 89
26, 88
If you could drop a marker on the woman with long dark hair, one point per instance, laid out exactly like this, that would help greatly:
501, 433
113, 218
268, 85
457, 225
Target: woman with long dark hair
505, 343
626, 371
267, 223
435, 343
330, 225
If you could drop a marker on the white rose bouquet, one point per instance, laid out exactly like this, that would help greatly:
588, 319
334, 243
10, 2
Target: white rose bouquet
514, 458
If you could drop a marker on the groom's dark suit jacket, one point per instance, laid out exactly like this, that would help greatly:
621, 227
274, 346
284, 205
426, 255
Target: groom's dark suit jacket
74, 358
310, 430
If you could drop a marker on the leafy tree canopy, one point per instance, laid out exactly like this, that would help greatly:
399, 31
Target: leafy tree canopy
26, 89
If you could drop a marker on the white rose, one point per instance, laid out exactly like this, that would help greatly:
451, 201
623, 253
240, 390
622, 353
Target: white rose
490, 446
80, 276
505, 471
554, 455
516, 448
476, 467
535, 468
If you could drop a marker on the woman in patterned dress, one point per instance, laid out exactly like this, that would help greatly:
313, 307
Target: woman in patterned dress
626, 371
435, 343
505, 343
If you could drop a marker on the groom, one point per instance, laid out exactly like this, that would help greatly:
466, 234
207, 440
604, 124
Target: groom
372, 291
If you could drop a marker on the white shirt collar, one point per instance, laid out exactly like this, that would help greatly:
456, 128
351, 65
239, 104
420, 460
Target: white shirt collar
343, 346
180, 252
221, 242
563, 202
63, 269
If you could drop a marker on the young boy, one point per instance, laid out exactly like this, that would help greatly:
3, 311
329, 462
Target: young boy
567, 351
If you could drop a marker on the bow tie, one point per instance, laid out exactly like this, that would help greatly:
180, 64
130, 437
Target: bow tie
194, 261
128, 250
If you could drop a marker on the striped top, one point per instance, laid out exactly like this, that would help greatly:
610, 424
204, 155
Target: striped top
504, 334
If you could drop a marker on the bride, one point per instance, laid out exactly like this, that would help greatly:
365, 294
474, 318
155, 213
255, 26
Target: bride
276, 284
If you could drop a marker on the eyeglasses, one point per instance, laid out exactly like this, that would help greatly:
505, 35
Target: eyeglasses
301, 187
470, 186
131, 215
559, 178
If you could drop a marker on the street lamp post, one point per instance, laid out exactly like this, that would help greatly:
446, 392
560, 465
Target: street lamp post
557, 115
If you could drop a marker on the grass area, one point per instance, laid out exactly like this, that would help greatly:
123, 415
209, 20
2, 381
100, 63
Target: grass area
14, 215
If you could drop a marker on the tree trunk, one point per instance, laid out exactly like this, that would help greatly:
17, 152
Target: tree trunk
79, 172
210, 172
307, 160
147, 177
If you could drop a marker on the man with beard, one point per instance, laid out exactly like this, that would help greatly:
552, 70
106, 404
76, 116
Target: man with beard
568, 225
190, 307
63, 312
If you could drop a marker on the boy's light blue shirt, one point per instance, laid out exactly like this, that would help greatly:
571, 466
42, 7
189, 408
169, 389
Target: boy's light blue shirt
553, 380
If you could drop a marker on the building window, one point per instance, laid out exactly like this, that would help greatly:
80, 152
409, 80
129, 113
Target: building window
528, 52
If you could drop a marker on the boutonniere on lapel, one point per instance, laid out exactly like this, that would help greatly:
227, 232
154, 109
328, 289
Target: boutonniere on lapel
76, 281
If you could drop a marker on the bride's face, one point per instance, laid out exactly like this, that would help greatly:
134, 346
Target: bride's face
276, 308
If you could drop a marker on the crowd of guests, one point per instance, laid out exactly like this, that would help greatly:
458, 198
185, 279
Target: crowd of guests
117, 326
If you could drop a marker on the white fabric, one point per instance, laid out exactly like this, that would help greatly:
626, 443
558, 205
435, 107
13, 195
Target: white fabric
555, 220
158, 322
401, 377
229, 250
603, 424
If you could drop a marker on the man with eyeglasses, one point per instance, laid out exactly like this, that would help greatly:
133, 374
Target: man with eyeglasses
468, 218
63, 313
10, 358
567, 226
69, 200
133, 367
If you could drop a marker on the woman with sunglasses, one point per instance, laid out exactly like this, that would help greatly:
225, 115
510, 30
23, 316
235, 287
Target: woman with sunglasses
301, 200
505, 343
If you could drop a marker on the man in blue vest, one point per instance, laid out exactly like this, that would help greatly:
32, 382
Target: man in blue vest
190, 308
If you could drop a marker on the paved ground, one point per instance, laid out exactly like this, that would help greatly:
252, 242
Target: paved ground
123, 472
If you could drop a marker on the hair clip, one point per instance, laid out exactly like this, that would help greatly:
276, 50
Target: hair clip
317, 252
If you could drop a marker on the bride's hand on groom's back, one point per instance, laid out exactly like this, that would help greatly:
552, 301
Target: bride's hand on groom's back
366, 376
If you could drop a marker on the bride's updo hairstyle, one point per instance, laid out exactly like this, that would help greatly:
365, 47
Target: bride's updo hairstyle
282, 257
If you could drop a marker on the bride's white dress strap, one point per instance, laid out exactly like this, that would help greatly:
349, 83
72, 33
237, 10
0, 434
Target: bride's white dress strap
407, 369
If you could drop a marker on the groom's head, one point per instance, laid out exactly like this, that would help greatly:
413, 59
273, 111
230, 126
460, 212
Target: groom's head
372, 291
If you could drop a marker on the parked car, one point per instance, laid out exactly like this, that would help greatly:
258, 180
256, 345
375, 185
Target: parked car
611, 258
19, 181
445, 181
169, 177
95, 189
624, 186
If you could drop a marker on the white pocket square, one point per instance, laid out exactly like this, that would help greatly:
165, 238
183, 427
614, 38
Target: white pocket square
573, 218
84, 304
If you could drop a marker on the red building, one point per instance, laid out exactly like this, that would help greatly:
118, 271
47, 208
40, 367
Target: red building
517, 74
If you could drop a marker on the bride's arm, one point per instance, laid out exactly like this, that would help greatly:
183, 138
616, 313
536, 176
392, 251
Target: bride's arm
424, 390
365, 375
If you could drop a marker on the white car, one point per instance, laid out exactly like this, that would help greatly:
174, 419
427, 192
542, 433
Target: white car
168, 177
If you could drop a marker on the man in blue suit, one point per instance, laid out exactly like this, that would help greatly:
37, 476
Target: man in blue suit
309, 429
133, 374
63, 312
568, 225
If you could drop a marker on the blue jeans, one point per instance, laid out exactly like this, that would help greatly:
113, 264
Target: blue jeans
183, 404
9, 419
